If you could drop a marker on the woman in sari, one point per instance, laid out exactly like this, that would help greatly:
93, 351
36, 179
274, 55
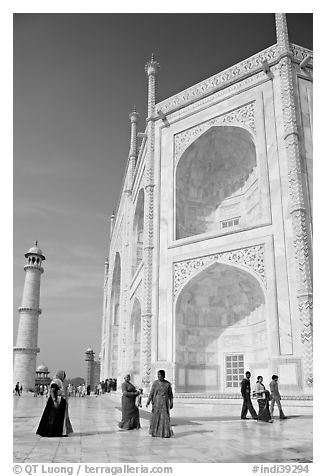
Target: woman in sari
51, 423
130, 412
161, 397
263, 397
55, 419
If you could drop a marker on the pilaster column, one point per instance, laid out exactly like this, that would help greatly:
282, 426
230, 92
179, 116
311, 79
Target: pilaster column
151, 68
134, 117
301, 231
127, 241
112, 223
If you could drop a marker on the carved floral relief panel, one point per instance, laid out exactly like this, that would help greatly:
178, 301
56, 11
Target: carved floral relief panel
251, 257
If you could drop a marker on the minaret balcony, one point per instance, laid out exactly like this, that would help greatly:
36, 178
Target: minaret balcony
27, 350
30, 310
37, 267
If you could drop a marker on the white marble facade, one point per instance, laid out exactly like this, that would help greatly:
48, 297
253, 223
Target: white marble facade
209, 263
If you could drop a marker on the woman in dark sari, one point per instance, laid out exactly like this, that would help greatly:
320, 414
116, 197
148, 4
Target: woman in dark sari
51, 423
161, 397
263, 397
130, 412
55, 420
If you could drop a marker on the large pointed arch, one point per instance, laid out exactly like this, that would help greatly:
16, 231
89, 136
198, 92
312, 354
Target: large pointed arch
216, 185
220, 329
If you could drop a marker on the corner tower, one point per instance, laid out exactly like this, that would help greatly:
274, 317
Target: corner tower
26, 345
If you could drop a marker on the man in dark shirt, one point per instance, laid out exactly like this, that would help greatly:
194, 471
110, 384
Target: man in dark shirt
247, 405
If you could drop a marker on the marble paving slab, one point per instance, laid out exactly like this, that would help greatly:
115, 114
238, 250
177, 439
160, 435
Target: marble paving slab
217, 436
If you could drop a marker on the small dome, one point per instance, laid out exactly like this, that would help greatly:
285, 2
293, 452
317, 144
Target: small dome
42, 368
35, 250
89, 350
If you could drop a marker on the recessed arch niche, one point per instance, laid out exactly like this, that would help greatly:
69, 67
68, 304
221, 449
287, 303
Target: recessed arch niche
135, 336
138, 231
216, 183
220, 312
115, 315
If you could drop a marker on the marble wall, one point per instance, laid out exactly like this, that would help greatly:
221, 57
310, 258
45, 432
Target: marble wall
224, 289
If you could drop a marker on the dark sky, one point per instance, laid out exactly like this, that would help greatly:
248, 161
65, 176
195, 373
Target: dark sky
76, 79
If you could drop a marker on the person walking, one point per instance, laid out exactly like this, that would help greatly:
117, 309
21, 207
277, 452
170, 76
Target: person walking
276, 397
263, 397
17, 389
62, 383
161, 397
53, 417
247, 405
130, 411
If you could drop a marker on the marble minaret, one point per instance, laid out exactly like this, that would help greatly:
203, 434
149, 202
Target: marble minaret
26, 345
89, 359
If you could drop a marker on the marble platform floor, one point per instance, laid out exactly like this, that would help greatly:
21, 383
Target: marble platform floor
203, 433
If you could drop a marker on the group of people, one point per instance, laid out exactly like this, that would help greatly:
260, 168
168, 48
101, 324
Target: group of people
55, 419
161, 398
41, 390
266, 399
107, 385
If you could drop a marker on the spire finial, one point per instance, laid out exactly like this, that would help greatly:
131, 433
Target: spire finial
282, 34
134, 115
36, 242
152, 66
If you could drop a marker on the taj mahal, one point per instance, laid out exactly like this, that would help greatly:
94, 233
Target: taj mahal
209, 268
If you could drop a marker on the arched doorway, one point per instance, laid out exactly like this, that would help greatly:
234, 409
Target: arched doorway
220, 327
115, 317
217, 187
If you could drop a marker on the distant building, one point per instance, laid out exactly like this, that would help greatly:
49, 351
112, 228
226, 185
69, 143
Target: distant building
42, 375
209, 271
92, 369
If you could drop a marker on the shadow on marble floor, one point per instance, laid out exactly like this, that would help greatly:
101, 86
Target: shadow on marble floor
190, 433
92, 433
194, 420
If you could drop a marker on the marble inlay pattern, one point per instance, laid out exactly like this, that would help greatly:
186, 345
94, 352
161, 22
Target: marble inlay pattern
251, 257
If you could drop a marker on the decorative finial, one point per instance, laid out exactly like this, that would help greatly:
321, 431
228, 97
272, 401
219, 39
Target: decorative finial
152, 66
282, 34
36, 242
134, 115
